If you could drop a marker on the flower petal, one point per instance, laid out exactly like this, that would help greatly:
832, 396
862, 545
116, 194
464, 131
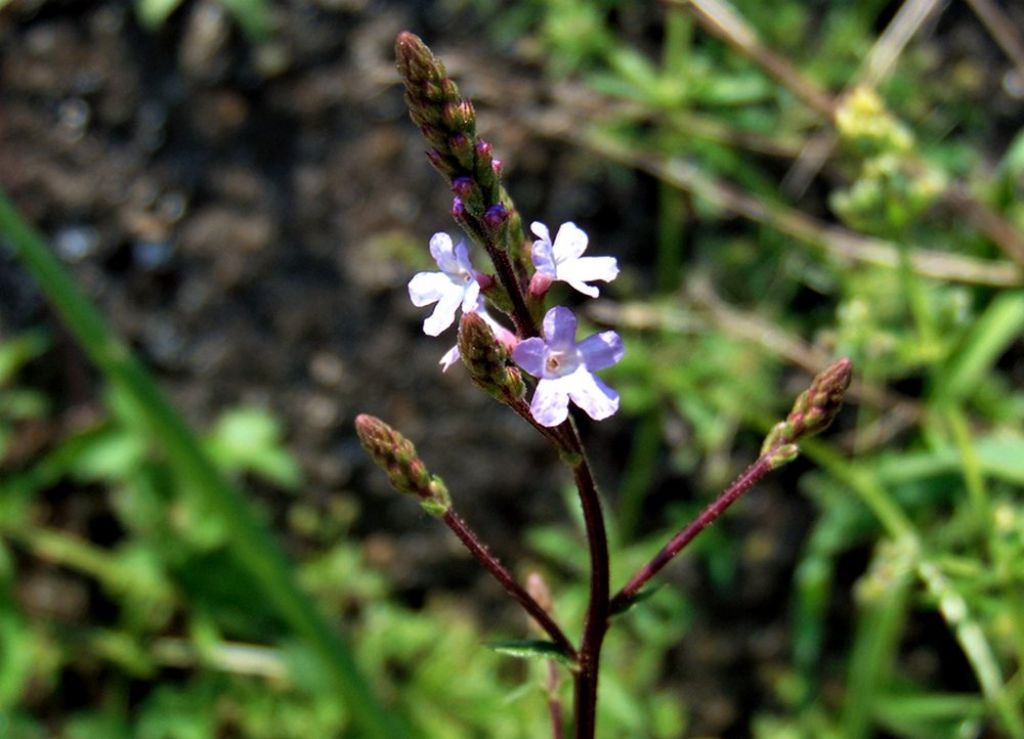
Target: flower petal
443, 252
591, 394
502, 334
589, 290
550, 404
560, 328
540, 231
529, 354
444, 313
601, 350
542, 259
471, 302
462, 258
428, 287
450, 357
589, 269
570, 242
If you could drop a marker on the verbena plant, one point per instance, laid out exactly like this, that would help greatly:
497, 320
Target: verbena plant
537, 353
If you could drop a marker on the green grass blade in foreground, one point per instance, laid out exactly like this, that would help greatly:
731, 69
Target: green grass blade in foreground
251, 543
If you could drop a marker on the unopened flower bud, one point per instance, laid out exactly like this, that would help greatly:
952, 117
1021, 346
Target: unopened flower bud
458, 210
496, 216
415, 61
463, 187
488, 360
782, 455
461, 147
539, 285
815, 409
397, 456
436, 160
460, 116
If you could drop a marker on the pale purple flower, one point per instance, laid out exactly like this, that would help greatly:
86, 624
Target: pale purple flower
502, 334
562, 259
565, 369
454, 286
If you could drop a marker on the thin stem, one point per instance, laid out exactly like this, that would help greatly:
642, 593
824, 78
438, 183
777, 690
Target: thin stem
596, 623
555, 435
521, 316
743, 483
472, 542
554, 702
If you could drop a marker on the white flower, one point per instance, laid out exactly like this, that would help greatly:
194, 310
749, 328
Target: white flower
454, 286
562, 259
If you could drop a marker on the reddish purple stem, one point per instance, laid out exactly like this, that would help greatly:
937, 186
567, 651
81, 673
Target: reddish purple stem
504, 577
743, 483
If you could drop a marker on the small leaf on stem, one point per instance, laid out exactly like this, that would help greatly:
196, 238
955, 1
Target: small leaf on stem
532, 649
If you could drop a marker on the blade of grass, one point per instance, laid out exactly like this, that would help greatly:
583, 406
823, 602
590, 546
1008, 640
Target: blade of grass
1000, 324
971, 637
255, 548
878, 632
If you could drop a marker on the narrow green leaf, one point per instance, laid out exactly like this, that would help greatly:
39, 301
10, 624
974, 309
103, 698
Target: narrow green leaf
153, 13
249, 541
998, 326
640, 597
531, 649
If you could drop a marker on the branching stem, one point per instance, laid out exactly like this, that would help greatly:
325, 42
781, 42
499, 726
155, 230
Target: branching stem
472, 542
709, 515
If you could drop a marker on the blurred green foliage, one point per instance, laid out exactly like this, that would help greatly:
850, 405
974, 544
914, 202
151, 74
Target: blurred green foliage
254, 17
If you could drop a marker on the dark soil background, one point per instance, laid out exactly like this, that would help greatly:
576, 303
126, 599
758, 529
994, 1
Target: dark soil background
248, 217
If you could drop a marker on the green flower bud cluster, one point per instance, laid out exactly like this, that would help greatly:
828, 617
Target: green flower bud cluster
812, 413
489, 362
406, 472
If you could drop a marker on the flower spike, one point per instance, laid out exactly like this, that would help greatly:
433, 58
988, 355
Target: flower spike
815, 409
397, 456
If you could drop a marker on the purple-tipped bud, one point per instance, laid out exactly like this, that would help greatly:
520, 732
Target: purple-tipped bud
496, 216
397, 456
458, 210
459, 116
435, 158
497, 167
489, 362
483, 148
815, 409
463, 187
461, 147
